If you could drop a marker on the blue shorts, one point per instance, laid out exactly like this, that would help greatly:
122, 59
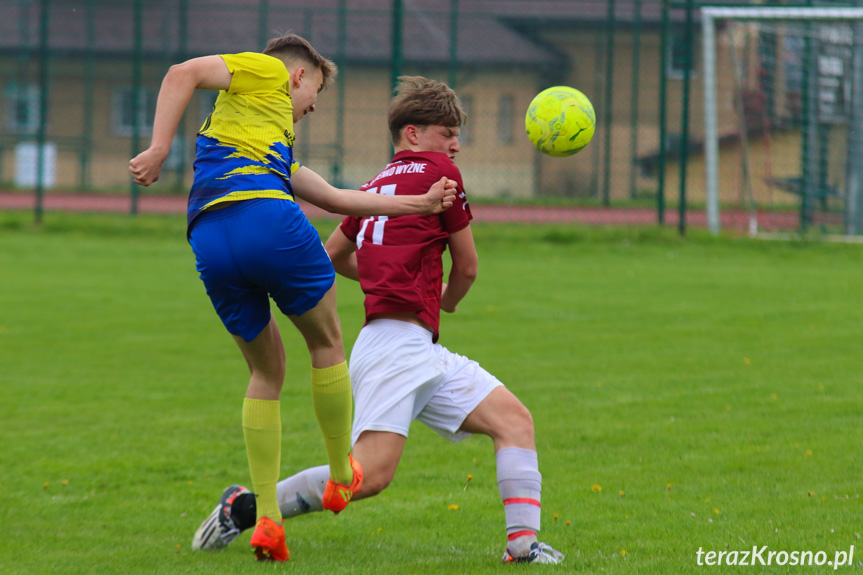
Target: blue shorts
257, 249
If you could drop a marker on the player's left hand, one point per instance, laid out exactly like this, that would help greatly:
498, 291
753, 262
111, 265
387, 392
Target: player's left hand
444, 303
441, 195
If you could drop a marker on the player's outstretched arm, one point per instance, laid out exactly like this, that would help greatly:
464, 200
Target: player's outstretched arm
208, 72
343, 254
314, 189
465, 265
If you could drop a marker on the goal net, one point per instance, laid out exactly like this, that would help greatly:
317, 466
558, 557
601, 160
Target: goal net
783, 118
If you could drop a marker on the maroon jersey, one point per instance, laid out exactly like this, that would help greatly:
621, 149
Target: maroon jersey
400, 258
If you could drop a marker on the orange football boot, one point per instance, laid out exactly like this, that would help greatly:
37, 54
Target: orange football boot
268, 540
337, 496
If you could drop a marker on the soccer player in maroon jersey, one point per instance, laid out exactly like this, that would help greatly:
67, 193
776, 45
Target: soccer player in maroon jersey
252, 243
399, 372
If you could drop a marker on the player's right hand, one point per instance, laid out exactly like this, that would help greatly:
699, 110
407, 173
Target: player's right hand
441, 195
146, 166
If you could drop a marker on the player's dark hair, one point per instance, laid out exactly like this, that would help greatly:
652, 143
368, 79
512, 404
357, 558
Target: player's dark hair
423, 102
291, 47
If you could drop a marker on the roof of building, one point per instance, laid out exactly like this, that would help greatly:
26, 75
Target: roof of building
489, 31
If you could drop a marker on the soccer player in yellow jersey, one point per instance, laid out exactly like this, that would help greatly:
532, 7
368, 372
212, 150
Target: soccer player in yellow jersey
252, 242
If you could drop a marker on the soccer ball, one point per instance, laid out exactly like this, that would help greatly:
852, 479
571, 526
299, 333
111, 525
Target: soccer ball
560, 121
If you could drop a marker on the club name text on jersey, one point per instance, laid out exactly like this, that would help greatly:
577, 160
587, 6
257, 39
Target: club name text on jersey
401, 168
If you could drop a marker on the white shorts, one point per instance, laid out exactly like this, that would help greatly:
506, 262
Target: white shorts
399, 375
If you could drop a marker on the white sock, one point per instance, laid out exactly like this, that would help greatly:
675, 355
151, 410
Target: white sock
520, 485
302, 493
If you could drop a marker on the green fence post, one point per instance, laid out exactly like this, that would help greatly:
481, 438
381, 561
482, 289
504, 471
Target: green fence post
182, 54
808, 125
43, 108
397, 49
341, 59
303, 134
684, 129
596, 147
136, 94
633, 106
663, 94
263, 17
453, 43
85, 166
609, 98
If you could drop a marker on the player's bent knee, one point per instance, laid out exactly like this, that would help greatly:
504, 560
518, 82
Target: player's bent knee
516, 427
375, 484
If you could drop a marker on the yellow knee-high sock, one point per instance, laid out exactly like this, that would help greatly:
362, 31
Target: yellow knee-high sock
262, 428
331, 396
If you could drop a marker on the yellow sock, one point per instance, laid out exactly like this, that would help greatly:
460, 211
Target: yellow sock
331, 396
262, 428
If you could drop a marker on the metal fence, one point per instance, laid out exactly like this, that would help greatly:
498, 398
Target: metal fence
79, 80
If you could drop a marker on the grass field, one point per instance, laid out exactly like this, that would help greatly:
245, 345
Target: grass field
696, 393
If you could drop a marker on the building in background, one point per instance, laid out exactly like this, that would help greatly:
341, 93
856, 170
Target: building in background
504, 53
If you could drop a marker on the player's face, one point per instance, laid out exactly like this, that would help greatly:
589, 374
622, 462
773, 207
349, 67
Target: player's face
305, 96
439, 139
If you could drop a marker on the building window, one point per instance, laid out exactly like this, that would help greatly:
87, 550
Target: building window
465, 134
126, 112
505, 108
22, 109
680, 56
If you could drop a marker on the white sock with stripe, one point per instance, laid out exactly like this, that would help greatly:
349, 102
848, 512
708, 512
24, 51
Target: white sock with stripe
302, 493
520, 485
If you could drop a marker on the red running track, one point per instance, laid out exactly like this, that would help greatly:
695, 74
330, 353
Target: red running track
150, 204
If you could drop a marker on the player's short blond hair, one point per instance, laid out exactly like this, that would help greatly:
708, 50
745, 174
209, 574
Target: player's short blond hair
423, 102
290, 48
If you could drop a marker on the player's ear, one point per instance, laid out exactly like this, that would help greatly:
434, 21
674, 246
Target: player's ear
410, 134
297, 76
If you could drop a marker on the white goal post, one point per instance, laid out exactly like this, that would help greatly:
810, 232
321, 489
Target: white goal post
709, 16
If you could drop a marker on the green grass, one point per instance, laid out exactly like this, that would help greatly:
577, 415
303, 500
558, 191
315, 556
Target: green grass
710, 387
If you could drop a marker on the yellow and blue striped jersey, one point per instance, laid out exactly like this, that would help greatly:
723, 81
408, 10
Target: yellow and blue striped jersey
245, 147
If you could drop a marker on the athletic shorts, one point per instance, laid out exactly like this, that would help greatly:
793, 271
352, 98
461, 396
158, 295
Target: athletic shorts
399, 375
257, 249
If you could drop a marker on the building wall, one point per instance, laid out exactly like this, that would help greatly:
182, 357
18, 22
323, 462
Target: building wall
97, 156
494, 168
